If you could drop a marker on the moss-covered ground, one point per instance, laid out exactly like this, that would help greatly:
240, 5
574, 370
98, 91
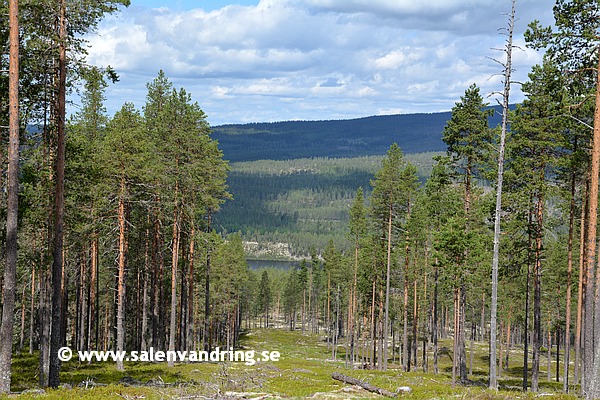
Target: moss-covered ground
303, 371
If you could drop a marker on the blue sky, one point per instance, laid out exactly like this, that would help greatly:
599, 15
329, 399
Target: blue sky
274, 60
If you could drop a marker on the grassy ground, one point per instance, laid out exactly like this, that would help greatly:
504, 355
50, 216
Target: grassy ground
303, 371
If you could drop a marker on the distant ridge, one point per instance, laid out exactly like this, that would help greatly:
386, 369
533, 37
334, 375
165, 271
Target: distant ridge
414, 133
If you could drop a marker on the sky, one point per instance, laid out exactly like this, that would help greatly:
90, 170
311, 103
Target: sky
277, 60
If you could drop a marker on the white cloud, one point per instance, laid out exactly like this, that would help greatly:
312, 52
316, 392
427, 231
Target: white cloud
313, 59
398, 58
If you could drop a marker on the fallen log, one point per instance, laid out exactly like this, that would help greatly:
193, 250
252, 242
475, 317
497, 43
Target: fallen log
365, 385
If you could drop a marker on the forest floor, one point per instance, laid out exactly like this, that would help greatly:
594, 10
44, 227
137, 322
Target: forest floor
304, 371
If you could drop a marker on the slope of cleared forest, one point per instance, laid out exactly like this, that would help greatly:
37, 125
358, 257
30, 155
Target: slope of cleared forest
301, 204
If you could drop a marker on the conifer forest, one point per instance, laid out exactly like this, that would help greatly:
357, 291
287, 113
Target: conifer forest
471, 271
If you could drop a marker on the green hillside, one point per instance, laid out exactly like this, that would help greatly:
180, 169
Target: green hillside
369, 136
293, 181
302, 203
344, 138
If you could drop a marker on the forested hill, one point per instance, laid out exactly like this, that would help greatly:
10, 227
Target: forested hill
414, 133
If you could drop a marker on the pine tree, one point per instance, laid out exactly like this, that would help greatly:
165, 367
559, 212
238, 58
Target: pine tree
468, 137
536, 145
126, 156
493, 384
9, 289
387, 207
358, 228
573, 46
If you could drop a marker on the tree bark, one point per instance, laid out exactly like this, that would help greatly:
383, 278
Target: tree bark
144, 327
365, 385
156, 280
206, 332
387, 287
415, 324
405, 353
174, 264
59, 205
537, 296
44, 320
93, 299
83, 290
569, 284
581, 288
121, 276
434, 325
190, 324
22, 333
455, 336
462, 349
526, 322
32, 310
493, 384
144, 333
591, 355
10, 271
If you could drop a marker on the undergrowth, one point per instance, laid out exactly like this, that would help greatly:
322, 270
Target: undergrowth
304, 370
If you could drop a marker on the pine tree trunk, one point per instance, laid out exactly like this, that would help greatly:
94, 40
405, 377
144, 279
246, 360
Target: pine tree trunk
349, 333
45, 319
22, 333
328, 308
526, 322
303, 308
548, 353
591, 355
106, 339
190, 313
537, 296
405, 352
181, 339
206, 334
32, 310
121, 276
472, 341
569, 284
373, 327
462, 353
415, 325
64, 296
387, 287
138, 308
354, 309
144, 327
500, 351
460, 357
558, 354
83, 318
493, 384
174, 264
59, 205
434, 325
426, 318
144, 333
157, 280
380, 332
455, 337
92, 315
482, 323
508, 344
580, 289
